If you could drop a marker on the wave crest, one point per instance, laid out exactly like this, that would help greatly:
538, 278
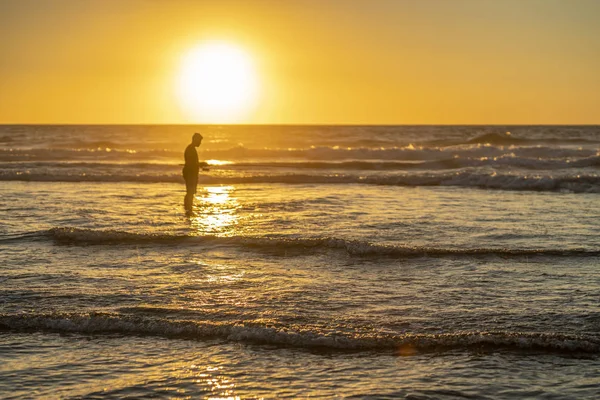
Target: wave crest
301, 337
580, 183
474, 149
358, 248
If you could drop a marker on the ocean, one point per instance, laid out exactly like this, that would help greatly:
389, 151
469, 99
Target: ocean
417, 262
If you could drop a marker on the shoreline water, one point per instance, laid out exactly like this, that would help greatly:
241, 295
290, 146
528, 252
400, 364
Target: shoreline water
316, 288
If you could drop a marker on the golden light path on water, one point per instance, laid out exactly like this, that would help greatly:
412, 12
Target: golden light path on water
216, 211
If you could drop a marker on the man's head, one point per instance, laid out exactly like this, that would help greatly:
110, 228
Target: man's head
197, 139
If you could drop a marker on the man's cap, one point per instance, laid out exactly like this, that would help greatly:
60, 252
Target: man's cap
197, 135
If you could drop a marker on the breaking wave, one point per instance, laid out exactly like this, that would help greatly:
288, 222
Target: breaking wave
503, 139
314, 153
506, 160
81, 236
297, 336
507, 139
580, 183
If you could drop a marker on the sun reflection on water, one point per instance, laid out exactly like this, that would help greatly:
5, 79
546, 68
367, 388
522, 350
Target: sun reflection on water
216, 211
218, 162
214, 380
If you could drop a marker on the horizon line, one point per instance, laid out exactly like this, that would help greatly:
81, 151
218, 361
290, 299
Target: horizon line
296, 124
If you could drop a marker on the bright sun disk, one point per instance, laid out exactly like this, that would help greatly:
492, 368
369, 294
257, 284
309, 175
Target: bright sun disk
217, 83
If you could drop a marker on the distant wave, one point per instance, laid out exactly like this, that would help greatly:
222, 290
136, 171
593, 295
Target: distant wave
507, 139
80, 236
117, 140
325, 153
507, 160
498, 139
298, 336
580, 183
409, 153
82, 164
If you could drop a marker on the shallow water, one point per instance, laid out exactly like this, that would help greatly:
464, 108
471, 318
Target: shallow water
72, 365
314, 289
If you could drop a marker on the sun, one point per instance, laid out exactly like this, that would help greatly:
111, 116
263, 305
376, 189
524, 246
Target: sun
217, 83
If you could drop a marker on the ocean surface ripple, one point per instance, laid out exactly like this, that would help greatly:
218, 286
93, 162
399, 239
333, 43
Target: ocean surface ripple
418, 262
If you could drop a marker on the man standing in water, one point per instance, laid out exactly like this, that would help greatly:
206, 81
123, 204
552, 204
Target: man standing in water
190, 172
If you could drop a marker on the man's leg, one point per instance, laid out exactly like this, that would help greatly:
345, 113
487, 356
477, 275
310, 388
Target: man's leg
188, 202
191, 182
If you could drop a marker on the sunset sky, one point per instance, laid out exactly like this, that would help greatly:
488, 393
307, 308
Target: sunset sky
309, 61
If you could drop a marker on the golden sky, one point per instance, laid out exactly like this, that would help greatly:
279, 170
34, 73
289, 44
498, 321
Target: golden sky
315, 61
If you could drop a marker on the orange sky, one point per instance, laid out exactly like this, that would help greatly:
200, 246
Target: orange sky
318, 62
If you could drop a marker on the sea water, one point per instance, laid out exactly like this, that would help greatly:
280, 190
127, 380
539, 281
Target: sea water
419, 262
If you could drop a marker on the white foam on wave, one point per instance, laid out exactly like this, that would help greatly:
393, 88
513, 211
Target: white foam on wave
324, 153
115, 167
576, 183
511, 160
82, 236
297, 336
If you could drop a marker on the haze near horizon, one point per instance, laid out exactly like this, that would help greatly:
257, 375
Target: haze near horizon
300, 62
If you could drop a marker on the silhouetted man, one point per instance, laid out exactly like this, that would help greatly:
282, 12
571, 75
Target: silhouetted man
190, 171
